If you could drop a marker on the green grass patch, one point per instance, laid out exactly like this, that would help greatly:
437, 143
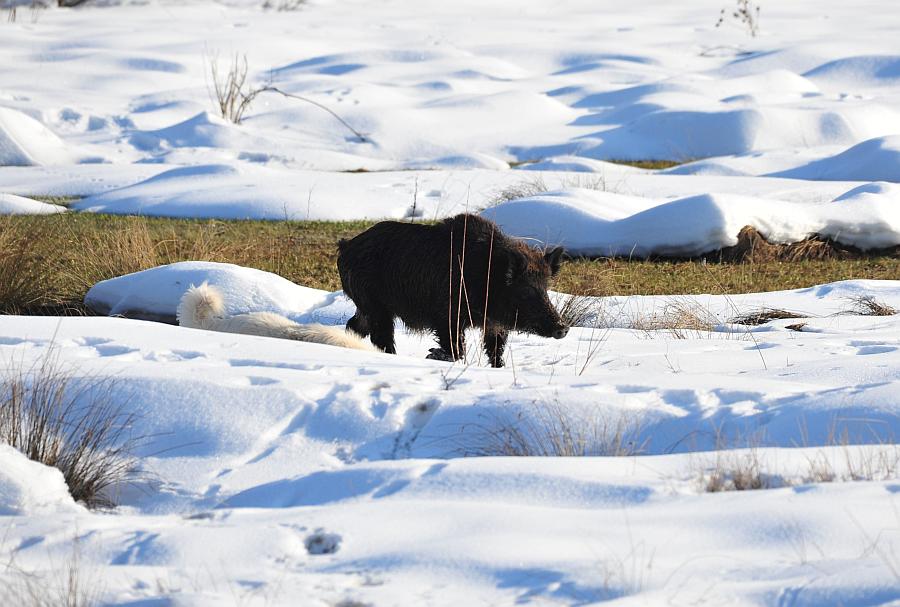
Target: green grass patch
653, 165
47, 263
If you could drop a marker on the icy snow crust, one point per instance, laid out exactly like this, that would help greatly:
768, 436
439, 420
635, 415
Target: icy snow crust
337, 475
283, 473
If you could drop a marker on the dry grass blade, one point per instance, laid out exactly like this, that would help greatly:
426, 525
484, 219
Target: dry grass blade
75, 424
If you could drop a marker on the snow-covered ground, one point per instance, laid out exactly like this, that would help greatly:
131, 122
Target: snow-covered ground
280, 472
284, 473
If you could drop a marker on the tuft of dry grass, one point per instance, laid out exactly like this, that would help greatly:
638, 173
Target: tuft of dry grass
524, 189
549, 429
681, 317
866, 305
578, 310
735, 471
75, 424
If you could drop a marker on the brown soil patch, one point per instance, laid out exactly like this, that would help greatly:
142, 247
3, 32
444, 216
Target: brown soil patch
752, 247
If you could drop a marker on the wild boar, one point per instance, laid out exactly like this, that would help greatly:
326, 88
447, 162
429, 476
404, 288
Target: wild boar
462, 272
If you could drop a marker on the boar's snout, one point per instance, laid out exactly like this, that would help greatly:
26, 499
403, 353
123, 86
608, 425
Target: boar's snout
560, 333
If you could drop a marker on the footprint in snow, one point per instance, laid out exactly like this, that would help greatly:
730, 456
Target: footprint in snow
320, 542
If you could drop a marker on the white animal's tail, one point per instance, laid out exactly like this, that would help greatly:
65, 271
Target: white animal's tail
200, 306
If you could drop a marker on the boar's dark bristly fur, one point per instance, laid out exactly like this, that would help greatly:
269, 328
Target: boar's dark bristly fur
462, 272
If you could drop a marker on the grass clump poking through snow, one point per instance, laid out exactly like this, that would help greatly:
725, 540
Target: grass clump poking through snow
74, 424
681, 318
549, 429
866, 305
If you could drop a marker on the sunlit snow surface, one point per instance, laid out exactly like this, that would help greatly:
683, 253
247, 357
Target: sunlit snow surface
284, 473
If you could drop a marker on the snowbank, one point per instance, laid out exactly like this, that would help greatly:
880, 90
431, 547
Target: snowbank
587, 222
11, 204
25, 141
28, 488
876, 159
154, 294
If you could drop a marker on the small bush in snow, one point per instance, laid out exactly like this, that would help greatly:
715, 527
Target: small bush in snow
74, 424
746, 12
232, 96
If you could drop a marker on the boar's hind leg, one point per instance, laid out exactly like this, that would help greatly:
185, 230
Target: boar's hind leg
381, 325
451, 351
494, 344
358, 324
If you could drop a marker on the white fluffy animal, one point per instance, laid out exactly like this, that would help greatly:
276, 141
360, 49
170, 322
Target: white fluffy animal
203, 307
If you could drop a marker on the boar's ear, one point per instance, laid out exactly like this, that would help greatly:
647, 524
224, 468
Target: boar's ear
554, 259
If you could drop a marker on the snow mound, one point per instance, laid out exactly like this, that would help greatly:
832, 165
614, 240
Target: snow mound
24, 141
30, 488
680, 134
876, 159
202, 130
154, 294
864, 70
10, 204
586, 222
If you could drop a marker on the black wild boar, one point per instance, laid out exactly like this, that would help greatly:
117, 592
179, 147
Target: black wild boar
462, 272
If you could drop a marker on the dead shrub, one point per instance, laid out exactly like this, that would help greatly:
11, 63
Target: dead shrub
75, 424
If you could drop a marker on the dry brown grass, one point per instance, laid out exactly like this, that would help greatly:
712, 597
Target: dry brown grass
550, 429
681, 317
866, 305
532, 186
25, 268
761, 317
48, 263
75, 424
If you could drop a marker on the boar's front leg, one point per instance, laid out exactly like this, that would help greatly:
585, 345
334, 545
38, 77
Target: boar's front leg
494, 344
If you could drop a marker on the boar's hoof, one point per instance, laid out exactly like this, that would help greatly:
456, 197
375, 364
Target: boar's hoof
440, 354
